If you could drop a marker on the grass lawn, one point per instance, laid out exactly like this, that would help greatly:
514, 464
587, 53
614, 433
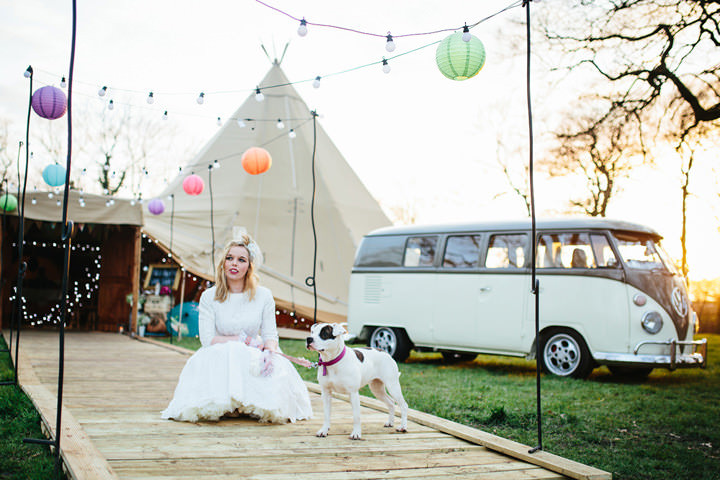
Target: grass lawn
19, 420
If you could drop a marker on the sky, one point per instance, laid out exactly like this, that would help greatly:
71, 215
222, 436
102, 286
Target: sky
416, 139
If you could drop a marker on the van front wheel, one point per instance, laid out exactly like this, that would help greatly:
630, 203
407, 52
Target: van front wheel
391, 340
564, 353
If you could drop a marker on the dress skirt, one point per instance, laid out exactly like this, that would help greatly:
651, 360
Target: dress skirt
225, 377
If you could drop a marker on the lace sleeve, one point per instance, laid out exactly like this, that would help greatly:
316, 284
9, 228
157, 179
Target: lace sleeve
206, 320
268, 329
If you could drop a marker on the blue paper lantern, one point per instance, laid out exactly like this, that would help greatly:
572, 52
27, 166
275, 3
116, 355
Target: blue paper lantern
458, 59
54, 175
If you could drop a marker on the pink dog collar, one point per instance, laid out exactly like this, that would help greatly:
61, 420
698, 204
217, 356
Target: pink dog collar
331, 362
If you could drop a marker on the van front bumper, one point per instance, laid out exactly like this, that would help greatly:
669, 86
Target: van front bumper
697, 358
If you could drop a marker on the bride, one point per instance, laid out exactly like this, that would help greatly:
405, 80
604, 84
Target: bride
235, 370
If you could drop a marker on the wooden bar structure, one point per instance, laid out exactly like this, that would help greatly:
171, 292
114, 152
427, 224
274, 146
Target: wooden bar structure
115, 388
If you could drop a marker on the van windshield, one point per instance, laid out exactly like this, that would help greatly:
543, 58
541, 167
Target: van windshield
641, 252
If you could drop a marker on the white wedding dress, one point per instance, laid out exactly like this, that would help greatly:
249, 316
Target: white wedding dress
219, 379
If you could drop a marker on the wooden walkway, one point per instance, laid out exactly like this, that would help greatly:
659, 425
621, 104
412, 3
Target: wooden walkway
115, 388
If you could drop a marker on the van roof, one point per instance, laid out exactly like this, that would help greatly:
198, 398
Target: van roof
566, 223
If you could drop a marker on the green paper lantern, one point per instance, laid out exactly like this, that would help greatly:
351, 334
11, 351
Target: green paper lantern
8, 202
460, 60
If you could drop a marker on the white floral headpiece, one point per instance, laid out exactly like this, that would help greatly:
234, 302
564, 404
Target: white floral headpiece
241, 236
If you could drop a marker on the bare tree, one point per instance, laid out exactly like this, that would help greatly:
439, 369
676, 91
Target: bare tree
600, 151
656, 55
517, 178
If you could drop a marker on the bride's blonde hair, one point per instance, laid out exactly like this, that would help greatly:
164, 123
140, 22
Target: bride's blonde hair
251, 278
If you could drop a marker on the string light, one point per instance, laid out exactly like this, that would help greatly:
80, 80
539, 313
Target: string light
219, 122
280, 125
241, 123
259, 95
63, 83
466, 36
150, 98
385, 66
28, 72
316, 82
111, 105
215, 166
201, 98
302, 29
292, 133
390, 44
165, 115
102, 91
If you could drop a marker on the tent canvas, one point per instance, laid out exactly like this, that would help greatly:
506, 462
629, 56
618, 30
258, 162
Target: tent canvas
274, 207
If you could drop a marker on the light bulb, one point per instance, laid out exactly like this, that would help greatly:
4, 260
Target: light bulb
241, 123
165, 115
102, 91
302, 29
280, 125
316, 82
385, 66
150, 99
219, 122
34, 201
201, 98
111, 105
292, 133
28, 72
466, 34
389, 45
259, 95
216, 165
63, 83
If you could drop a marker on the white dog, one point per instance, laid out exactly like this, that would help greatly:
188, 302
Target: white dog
347, 370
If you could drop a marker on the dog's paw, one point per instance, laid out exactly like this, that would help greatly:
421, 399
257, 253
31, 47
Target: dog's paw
356, 435
401, 429
323, 432
388, 424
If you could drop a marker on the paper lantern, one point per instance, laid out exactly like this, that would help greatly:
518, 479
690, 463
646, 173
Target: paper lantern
8, 202
193, 185
49, 102
54, 175
460, 60
256, 160
156, 206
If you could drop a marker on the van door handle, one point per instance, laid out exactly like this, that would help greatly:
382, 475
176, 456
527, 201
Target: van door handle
485, 289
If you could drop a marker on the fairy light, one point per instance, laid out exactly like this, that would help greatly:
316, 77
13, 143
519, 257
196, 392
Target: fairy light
201, 98
302, 29
259, 95
150, 98
389, 44
316, 82
385, 66
280, 125
102, 91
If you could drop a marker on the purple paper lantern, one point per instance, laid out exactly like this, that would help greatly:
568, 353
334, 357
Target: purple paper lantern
49, 102
156, 206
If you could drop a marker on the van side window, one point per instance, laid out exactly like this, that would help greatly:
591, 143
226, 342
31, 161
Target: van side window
506, 251
462, 251
420, 251
603, 253
565, 250
380, 252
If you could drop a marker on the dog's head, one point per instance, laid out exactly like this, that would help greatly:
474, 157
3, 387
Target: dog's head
325, 337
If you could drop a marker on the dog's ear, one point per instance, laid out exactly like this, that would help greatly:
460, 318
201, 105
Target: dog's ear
338, 330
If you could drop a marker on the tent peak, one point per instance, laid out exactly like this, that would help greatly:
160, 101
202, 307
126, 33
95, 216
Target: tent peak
275, 61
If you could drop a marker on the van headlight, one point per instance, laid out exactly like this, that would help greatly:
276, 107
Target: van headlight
652, 322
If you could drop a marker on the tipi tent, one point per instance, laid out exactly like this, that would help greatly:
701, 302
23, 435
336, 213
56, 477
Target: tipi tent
274, 207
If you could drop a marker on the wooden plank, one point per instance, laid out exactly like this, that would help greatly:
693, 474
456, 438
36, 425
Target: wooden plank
117, 401
514, 449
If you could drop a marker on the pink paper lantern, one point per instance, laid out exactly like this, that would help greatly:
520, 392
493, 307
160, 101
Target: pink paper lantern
156, 206
49, 102
193, 185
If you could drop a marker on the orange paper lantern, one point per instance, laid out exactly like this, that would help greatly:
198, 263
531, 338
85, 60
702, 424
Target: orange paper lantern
256, 160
